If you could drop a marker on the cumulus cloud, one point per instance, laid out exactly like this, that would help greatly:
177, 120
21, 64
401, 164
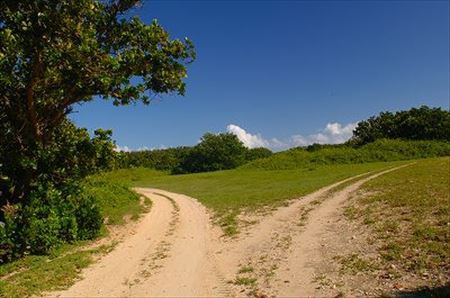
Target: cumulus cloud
333, 133
143, 148
249, 140
122, 148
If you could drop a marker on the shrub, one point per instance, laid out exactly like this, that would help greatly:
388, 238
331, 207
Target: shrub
41, 199
88, 218
50, 217
159, 159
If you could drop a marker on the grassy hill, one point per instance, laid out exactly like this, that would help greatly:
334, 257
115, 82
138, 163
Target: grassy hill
380, 150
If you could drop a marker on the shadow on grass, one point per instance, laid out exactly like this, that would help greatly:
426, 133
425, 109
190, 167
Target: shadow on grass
441, 291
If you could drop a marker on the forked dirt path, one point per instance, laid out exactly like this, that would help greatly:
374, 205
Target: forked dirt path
175, 250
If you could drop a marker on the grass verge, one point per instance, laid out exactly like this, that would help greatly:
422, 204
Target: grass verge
116, 200
33, 275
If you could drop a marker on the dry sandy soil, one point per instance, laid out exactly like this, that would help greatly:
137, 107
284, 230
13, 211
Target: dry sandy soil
175, 250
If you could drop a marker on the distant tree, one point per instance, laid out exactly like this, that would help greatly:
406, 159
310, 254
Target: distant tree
257, 153
214, 152
158, 159
176, 160
422, 123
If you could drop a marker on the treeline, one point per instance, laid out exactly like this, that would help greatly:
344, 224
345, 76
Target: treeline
214, 152
416, 133
423, 123
225, 151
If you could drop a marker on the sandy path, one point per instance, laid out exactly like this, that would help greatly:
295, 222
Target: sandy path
176, 251
190, 268
167, 254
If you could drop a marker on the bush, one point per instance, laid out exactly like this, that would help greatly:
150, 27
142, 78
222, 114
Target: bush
50, 217
88, 218
41, 198
160, 159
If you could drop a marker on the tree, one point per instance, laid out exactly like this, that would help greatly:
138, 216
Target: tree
214, 152
423, 123
159, 159
55, 54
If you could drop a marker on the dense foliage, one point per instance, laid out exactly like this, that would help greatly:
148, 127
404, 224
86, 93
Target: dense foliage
422, 123
53, 55
158, 159
214, 152
56, 209
380, 150
257, 153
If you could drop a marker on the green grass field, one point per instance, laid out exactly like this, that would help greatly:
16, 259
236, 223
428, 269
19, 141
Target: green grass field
227, 193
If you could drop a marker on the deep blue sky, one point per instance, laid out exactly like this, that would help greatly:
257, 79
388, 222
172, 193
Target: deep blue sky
281, 68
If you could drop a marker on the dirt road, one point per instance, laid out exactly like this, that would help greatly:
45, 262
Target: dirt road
176, 251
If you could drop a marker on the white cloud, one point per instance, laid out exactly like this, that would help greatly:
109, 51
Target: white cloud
249, 140
143, 148
122, 149
333, 133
